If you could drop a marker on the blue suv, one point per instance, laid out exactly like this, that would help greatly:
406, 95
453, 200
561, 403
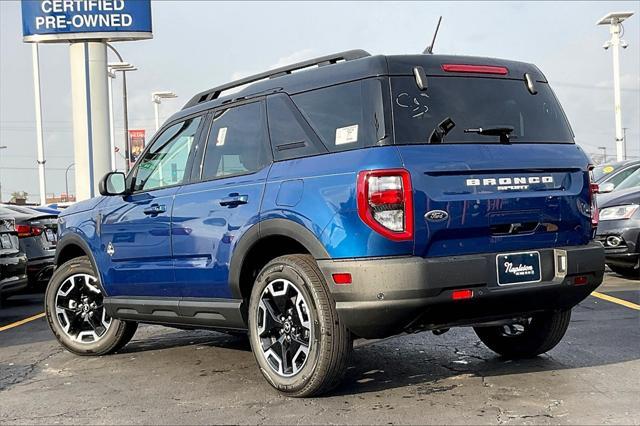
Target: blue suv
349, 196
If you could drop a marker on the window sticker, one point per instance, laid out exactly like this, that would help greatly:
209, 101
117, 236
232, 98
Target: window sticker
347, 134
222, 135
607, 169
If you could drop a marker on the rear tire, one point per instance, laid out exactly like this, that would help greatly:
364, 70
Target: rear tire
76, 315
300, 344
627, 272
540, 334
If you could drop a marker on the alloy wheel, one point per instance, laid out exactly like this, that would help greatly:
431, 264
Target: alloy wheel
284, 327
80, 309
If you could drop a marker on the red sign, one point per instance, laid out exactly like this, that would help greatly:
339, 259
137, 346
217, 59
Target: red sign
136, 145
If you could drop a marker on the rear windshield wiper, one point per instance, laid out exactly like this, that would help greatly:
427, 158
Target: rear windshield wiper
441, 130
503, 131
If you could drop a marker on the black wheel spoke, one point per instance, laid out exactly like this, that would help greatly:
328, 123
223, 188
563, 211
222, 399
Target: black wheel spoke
271, 319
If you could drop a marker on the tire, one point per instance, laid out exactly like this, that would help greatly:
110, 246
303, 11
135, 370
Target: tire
95, 334
540, 334
627, 272
298, 282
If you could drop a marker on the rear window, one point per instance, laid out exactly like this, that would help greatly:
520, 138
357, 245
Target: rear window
472, 103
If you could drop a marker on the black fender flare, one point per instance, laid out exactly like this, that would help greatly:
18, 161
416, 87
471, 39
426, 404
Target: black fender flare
267, 228
72, 239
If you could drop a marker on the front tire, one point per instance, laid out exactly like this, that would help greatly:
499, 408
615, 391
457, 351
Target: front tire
297, 338
538, 334
627, 272
76, 313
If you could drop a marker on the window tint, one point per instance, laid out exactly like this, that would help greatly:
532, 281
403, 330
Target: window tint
345, 116
165, 162
620, 177
472, 103
237, 142
289, 138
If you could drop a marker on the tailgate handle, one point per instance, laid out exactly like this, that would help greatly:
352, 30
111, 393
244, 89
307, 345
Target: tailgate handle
514, 228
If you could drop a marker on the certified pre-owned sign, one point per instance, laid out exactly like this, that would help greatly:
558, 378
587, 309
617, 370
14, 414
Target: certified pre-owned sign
63, 20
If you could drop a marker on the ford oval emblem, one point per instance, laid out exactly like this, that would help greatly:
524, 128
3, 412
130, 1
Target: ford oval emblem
436, 215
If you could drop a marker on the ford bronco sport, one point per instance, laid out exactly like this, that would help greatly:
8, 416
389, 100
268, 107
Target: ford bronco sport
346, 196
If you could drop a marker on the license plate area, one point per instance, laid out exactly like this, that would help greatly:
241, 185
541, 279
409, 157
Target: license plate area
518, 268
51, 235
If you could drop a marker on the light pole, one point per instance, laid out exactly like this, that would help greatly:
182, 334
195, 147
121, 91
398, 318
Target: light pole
124, 67
604, 153
1, 148
156, 98
614, 20
112, 138
66, 181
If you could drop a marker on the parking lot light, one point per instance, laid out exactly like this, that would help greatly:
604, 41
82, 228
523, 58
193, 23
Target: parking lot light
156, 98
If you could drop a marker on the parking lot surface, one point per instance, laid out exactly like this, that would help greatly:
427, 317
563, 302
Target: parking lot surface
170, 376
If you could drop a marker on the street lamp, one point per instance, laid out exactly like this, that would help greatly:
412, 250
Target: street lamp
156, 98
614, 20
124, 67
66, 181
112, 138
1, 148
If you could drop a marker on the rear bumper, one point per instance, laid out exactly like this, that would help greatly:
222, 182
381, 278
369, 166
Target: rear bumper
391, 295
40, 269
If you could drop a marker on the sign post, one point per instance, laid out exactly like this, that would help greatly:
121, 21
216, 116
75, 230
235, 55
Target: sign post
88, 25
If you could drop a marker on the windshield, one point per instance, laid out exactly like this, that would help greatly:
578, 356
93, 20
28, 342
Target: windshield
451, 105
633, 181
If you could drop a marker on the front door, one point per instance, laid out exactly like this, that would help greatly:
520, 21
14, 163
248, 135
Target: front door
135, 230
210, 216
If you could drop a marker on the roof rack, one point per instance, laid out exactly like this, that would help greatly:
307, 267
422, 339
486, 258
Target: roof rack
215, 92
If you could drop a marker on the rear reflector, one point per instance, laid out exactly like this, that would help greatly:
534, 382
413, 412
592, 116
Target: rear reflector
479, 69
462, 294
343, 278
580, 280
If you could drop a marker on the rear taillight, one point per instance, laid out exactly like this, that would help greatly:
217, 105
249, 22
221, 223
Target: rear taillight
385, 202
25, 231
593, 191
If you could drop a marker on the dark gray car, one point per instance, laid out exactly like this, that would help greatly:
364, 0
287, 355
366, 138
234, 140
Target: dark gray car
619, 227
37, 234
13, 262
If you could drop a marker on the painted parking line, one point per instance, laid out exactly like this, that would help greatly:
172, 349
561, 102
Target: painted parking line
23, 321
612, 299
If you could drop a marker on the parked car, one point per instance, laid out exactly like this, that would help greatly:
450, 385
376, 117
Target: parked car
13, 262
346, 196
37, 233
619, 227
608, 176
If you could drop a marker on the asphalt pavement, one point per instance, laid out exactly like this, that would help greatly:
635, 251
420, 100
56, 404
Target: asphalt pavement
169, 376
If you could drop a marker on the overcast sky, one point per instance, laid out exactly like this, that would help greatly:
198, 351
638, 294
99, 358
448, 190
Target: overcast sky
197, 45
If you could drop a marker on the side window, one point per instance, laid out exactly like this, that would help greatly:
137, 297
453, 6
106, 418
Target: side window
165, 162
620, 177
344, 116
289, 137
237, 142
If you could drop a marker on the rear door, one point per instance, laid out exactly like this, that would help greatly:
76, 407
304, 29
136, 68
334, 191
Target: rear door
210, 216
531, 192
135, 230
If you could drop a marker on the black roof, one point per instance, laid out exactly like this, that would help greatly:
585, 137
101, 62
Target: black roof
344, 67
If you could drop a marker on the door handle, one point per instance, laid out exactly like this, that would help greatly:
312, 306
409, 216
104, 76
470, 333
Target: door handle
234, 200
155, 209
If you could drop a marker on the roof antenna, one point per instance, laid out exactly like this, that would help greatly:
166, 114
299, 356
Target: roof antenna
429, 49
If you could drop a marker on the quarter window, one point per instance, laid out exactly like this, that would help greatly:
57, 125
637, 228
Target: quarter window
237, 142
164, 164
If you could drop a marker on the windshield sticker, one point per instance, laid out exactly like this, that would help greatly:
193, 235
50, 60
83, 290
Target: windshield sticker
222, 135
417, 104
607, 169
347, 134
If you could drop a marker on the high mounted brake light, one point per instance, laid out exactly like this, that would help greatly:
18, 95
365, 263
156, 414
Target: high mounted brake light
385, 202
478, 69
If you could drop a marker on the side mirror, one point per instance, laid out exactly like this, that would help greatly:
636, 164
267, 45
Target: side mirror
113, 183
606, 188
